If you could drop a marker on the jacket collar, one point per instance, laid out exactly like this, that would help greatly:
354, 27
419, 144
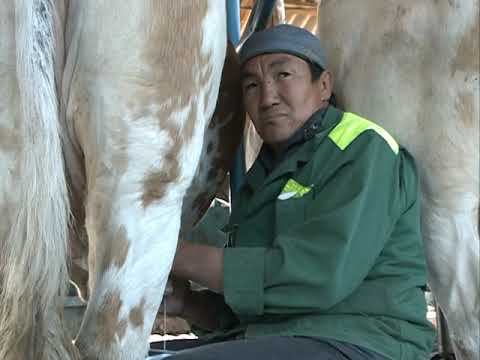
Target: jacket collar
270, 160
314, 135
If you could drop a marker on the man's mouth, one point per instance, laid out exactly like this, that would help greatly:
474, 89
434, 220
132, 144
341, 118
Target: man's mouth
269, 118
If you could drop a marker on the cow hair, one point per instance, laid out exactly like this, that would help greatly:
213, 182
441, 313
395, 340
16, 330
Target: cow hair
35, 251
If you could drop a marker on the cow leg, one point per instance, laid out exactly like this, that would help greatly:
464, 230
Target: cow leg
452, 243
144, 82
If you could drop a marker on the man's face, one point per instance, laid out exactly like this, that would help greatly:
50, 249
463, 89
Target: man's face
279, 95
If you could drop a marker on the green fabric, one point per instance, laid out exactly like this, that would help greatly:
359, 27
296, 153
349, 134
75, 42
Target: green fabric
343, 261
249, 289
352, 126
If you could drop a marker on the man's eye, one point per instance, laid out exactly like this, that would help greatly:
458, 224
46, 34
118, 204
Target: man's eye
283, 74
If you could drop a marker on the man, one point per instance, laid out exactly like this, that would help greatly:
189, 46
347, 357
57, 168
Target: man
324, 258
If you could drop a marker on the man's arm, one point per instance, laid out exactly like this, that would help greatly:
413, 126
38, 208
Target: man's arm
201, 264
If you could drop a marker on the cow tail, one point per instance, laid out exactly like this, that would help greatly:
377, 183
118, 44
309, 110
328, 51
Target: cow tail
34, 258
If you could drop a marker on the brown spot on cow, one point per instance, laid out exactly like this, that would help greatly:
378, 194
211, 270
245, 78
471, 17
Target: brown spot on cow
467, 57
156, 182
177, 74
120, 247
121, 329
464, 105
137, 313
108, 323
116, 250
171, 68
189, 127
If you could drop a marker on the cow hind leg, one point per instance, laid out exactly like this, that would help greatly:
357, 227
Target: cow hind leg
454, 271
139, 108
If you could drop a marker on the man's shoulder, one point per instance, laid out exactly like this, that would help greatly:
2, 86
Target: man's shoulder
353, 127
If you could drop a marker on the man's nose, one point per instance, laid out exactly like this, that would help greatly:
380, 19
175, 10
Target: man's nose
269, 95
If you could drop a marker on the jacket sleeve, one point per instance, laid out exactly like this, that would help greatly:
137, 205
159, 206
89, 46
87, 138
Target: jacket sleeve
325, 257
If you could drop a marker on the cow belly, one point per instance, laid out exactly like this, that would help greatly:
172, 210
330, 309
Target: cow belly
413, 67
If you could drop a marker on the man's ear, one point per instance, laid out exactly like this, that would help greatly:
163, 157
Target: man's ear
325, 85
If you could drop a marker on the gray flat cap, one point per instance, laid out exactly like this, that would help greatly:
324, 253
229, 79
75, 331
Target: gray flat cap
284, 39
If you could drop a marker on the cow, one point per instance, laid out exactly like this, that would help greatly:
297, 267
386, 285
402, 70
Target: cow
106, 149
413, 67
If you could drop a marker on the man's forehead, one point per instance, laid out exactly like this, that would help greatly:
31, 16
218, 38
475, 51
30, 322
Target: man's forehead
270, 61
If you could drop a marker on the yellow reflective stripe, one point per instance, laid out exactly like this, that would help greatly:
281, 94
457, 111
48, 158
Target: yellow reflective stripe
295, 189
353, 125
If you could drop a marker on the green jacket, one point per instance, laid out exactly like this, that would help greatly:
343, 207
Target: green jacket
328, 244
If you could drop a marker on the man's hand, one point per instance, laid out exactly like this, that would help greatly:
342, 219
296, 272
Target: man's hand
175, 297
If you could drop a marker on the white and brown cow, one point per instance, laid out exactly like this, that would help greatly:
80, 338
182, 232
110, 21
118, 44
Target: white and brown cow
413, 66
105, 111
